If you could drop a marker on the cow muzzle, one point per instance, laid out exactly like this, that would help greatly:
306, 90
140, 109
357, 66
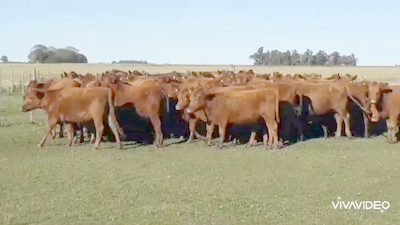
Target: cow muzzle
373, 101
178, 107
189, 110
374, 119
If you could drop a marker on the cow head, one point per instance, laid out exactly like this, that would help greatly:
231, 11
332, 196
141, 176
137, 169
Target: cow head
198, 100
183, 98
375, 93
33, 100
171, 90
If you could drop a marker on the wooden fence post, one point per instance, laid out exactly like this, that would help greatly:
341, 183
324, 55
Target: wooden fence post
33, 77
12, 81
22, 82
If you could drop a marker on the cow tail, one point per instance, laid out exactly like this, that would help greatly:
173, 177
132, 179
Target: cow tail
111, 111
354, 100
277, 107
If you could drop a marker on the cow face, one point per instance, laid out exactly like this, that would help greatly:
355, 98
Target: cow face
32, 101
183, 99
375, 93
197, 101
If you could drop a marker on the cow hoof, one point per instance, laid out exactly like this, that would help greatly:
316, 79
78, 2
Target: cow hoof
95, 149
247, 146
189, 141
39, 145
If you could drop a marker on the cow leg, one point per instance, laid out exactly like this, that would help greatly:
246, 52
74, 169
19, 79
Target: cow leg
85, 133
81, 138
222, 131
366, 125
156, 122
392, 127
252, 139
112, 123
272, 132
347, 125
325, 129
299, 127
265, 139
92, 138
54, 132
339, 125
192, 128
199, 136
70, 133
210, 131
98, 124
61, 134
50, 124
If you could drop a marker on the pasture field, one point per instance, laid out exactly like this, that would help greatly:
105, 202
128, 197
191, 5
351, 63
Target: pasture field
17, 74
189, 183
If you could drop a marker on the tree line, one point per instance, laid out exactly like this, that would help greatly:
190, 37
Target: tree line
294, 58
44, 54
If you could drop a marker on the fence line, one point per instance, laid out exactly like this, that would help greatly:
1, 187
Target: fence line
14, 79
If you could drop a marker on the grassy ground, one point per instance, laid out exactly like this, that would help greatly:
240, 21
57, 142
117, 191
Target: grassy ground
20, 73
189, 183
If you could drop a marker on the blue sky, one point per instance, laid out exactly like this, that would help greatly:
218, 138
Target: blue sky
202, 32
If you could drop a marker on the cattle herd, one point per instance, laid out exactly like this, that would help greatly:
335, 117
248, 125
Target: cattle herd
274, 107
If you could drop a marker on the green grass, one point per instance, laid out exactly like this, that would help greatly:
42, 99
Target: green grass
189, 183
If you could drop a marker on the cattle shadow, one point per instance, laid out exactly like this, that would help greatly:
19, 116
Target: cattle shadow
139, 129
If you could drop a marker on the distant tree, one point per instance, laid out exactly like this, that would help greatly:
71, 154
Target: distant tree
295, 58
286, 58
38, 54
4, 58
43, 54
132, 62
257, 57
321, 58
335, 58
276, 57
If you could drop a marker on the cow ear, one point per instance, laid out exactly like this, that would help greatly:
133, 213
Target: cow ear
209, 97
385, 88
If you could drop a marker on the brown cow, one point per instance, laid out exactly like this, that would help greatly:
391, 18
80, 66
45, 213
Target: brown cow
224, 107
53, 85
330, 97
75, 105
390, 111
376, 92
146, 95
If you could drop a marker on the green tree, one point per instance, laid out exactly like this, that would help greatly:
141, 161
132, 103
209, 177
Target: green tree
43, 54
4, 58
321, 58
